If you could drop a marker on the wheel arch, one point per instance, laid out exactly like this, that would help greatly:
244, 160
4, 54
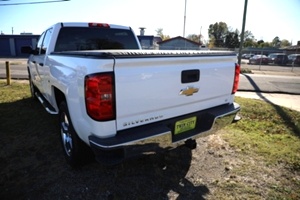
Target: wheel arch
59, 96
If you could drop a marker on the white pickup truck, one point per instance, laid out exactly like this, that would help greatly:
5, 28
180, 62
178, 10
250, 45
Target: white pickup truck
111, 95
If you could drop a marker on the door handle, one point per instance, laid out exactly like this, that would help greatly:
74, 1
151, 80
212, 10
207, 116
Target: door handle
190, 76
41, 64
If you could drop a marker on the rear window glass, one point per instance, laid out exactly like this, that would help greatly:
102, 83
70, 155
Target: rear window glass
93, 38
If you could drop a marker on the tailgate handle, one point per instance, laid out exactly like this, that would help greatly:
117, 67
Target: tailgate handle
190, 76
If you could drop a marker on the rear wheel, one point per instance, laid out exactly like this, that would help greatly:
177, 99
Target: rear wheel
75, 150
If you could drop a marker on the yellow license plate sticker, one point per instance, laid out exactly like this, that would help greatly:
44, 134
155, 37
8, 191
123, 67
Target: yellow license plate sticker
185, 125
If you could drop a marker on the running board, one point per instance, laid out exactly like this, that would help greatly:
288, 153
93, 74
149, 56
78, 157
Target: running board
48, 107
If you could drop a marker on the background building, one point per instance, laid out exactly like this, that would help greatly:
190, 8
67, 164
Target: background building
179, 43
10, 45
149, 41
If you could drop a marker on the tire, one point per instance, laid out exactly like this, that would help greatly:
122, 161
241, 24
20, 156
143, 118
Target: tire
76, 152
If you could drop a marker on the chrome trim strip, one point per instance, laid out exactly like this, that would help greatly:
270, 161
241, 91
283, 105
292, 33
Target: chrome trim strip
44, 105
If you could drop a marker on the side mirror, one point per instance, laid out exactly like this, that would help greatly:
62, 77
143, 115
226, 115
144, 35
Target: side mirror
27, 50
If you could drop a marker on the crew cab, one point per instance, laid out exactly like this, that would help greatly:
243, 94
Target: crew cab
110, 95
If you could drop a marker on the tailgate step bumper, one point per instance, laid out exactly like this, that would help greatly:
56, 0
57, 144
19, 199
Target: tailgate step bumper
162, 133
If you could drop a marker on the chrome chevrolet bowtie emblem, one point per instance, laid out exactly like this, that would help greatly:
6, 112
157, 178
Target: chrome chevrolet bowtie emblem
188, 91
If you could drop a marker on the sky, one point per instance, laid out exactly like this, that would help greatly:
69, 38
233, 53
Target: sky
266, 19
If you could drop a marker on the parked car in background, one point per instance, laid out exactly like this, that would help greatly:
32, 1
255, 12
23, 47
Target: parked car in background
278, 59
259, 59
294, 59
247, 56
243, 56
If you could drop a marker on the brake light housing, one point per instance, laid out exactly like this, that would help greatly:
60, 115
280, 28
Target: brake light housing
99, 25
100, 96
237, 72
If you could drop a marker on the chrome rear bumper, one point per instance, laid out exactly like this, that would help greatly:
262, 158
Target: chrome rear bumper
162, 133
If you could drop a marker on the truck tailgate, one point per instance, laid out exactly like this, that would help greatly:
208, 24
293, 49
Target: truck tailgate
150, 89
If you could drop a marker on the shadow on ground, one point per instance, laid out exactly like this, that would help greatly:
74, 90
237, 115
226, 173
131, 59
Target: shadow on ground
279, 109
32, 165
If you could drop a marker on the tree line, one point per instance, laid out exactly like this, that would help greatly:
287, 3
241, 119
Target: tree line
222, 36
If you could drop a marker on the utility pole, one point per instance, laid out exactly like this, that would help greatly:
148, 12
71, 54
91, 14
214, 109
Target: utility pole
200, 35
184, 19
12, 30
243, 30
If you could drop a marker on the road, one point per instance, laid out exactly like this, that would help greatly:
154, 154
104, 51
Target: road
18, 68
270, 83
274, 89
273, 84
271, 79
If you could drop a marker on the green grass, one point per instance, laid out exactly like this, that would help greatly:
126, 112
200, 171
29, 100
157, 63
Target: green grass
267, 130
267, 140
246, 71
14, 92
15, 63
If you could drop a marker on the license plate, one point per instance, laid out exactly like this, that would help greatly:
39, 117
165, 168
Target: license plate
185, 125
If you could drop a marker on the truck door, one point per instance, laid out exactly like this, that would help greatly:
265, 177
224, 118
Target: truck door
43, 66
39, 70
37, 58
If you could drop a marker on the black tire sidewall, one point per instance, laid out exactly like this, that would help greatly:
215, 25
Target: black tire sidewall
79, 148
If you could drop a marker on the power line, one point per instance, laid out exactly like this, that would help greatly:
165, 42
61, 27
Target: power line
37, 2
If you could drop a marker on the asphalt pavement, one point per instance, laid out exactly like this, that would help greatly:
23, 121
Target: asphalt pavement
273, 84
279, 85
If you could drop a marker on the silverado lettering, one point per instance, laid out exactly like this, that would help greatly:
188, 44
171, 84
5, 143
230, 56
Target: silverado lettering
143, 120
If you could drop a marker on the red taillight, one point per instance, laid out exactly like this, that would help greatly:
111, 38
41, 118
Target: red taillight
101, 25
99, 96
236, 78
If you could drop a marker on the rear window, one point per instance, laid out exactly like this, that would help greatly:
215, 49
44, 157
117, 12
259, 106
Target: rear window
272, 56
94, 38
